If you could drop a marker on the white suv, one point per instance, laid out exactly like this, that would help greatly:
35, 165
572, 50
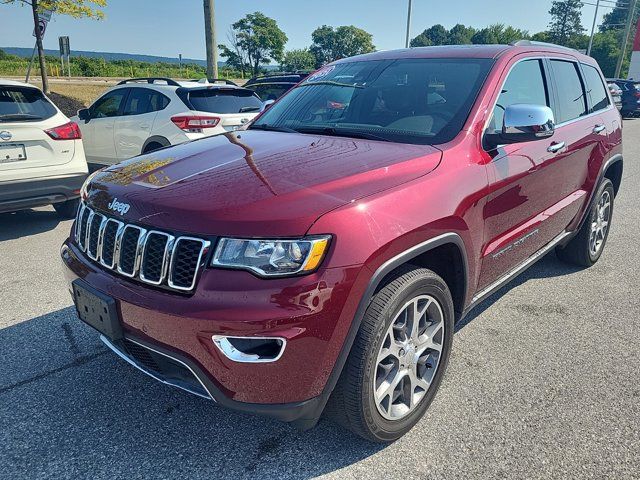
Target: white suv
41, 156
144, 114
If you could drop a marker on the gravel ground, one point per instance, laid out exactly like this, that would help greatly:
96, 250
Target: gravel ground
544, 382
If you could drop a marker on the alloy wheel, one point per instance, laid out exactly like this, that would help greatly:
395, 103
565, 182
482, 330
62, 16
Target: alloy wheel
409, 357
600, 223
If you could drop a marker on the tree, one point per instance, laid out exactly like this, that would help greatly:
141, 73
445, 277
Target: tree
331, 44
236, 58
498, 33
73, 8
461, 35
616, 18
301, 59
566, 21
434, 35
606, 50
257, 40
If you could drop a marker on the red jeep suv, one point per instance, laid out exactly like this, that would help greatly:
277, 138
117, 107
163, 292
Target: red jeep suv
321, 256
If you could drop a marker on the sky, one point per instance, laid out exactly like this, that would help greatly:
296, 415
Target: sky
170, 27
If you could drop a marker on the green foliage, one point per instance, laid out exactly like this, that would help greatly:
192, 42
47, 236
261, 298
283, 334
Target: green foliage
461, 35
331, 44
566, 21
435, 35
73, 8
606, 50
617, 17
300, 59
258, 39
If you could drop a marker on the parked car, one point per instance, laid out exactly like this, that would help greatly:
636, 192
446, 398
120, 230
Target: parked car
141, 115
630, 96
616, 94
41, 157
272, 87
322, 256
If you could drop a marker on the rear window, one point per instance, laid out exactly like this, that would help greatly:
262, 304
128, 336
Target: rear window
270, 91
24, 103
220, 100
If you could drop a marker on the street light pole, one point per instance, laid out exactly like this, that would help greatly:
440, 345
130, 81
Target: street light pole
210, 39
406, 42
625, 39
593, 27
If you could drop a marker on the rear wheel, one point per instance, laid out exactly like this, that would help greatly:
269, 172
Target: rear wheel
587, 246
68, 209
398, 358
153, 146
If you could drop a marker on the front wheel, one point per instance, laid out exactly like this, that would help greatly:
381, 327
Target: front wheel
587, 246
398, 358
67, 210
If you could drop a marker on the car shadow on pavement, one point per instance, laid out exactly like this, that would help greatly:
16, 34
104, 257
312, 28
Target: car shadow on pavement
27, 222
547, 267
69, 408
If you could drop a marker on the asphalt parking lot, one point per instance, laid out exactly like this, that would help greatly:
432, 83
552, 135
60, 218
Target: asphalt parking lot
544, 382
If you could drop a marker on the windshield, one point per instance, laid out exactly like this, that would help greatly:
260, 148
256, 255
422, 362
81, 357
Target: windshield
420, 101
24, 103
224, 100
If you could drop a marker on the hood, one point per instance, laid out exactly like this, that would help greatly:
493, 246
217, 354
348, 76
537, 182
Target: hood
253, 183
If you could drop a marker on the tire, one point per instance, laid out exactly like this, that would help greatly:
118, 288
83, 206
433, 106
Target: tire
67, 210
354, 403
587, 246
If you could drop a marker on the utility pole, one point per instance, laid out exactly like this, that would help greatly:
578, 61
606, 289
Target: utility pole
406, 42
625, 39
210, 39
593, 27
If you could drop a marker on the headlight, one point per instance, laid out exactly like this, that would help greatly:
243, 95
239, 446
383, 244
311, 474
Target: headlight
271, 257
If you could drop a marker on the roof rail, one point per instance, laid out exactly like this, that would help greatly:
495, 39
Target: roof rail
222, 80
532, 43
151, 80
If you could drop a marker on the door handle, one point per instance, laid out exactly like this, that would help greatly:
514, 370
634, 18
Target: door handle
556, 147
599, 128
144, 126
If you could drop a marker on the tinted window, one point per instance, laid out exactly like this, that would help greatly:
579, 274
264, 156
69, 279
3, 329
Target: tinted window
144, 100
24, 103
109, 104
223, 100
571, 97
414, 100
525, 84
596, 88
271, 91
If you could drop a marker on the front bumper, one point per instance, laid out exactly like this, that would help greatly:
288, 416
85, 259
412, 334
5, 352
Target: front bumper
313, 313
37, 192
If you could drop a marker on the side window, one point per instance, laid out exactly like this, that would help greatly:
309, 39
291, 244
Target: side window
595, 86
525, 84
109, 104
144, 100
571, 96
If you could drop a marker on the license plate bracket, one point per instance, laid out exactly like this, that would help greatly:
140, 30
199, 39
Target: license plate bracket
12, 152
97, 309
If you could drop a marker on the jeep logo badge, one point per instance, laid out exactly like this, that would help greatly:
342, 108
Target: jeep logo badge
119, 207
6, 136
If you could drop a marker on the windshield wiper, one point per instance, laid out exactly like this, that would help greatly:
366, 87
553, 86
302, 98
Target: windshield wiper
19, 116
342, 132
272, 128
331, 82
249, 109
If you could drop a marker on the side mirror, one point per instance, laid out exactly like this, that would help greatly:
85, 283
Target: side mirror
523, 123
84, 114
267, 104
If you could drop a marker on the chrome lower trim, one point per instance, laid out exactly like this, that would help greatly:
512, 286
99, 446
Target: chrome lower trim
143, 369
491, 288
233, 354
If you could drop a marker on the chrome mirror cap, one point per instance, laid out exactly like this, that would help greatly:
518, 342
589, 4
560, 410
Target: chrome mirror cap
530, 122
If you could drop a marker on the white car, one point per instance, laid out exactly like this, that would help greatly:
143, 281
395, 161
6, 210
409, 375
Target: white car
42, 161
144, 114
